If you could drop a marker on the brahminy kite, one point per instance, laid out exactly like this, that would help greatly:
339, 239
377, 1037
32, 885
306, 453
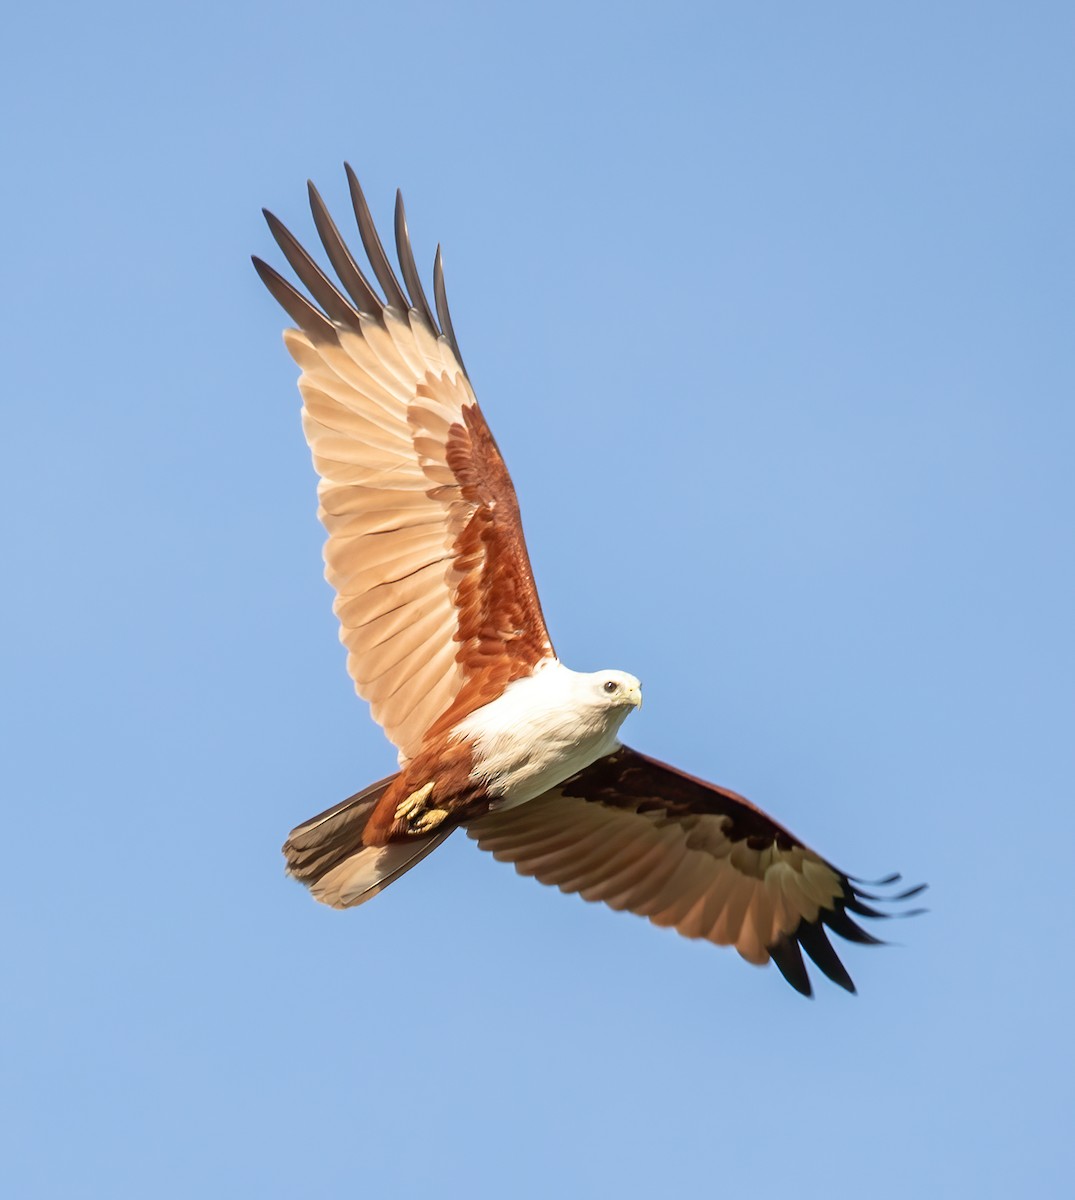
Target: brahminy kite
446, 640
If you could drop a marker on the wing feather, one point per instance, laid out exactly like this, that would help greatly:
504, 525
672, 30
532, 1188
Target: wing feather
642, 836
325, 415
406, 261
349, 272
440, 296
371, 243
425, 547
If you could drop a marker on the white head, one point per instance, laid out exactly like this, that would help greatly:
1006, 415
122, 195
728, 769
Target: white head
615, 689
598, 702
558, 705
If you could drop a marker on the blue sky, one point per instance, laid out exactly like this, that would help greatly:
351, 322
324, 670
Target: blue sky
770, 308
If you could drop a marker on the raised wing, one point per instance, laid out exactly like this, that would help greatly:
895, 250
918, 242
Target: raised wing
434, 590
642, 836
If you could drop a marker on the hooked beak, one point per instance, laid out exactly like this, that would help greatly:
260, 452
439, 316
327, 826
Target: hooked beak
634, 696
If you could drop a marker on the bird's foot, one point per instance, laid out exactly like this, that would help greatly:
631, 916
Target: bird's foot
414, 814
429, 820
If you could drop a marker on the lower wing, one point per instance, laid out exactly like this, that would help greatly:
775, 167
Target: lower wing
640, 835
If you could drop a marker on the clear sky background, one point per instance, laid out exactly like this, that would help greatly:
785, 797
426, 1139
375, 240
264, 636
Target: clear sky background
771, 310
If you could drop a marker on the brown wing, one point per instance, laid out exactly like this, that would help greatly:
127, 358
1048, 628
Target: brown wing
434, 591
642, 836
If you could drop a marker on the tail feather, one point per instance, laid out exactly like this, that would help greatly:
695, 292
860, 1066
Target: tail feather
324, 841
365, 874
327, 852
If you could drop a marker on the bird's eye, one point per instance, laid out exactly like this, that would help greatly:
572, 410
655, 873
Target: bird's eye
611, 686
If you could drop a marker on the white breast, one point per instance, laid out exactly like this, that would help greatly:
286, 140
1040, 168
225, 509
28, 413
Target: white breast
539, 732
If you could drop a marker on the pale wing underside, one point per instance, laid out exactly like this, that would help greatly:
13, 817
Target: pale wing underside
434, 592
641, 836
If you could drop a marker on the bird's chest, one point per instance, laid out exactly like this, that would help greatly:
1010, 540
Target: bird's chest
522, 754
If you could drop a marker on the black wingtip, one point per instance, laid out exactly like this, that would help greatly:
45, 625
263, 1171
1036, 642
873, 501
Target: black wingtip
789, 962
358, 300
913, 891
266, 274
440, 298
811, 936
405, 255
297, 307
350, 274
371, 241
907, 894
320, 287
839, 922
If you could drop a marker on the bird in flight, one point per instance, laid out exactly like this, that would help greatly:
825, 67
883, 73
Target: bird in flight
446, 639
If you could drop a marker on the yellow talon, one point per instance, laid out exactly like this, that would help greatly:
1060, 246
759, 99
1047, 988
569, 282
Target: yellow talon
415, 802
429, 820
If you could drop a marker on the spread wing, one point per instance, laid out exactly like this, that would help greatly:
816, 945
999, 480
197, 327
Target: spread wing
434, 590
642, 836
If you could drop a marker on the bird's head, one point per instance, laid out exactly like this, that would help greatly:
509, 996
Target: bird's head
617, 689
